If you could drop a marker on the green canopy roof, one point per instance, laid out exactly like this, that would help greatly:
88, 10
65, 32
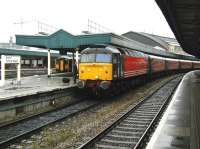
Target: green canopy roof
62, 40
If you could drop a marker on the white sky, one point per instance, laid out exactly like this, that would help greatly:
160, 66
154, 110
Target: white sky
119, 16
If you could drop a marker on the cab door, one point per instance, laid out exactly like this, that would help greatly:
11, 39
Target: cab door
116, 60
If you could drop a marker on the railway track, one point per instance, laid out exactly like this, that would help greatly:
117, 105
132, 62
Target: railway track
134, 126
20, 129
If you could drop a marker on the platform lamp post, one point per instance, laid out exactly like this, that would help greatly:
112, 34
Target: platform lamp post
49, 63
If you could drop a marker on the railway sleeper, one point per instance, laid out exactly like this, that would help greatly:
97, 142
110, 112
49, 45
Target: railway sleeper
122, 138
149, 108
117, 143
152, 112
101, 146
157, 101
119, 136
152, 104
138, 120
127, 129
138, 114
140, 123
141, 117
132, 122
134, 126
125, 133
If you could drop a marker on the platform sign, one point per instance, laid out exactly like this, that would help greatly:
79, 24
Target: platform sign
10, 59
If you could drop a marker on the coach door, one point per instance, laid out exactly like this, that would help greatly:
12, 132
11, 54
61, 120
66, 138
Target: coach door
116, 65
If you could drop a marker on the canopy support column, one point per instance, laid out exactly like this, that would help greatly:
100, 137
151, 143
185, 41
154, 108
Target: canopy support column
19, 71
49, 63
77, 62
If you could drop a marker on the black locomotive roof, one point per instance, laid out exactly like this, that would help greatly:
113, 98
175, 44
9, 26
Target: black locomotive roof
101, 49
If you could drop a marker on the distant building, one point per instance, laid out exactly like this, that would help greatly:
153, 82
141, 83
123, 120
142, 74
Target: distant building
158, 42
174, 46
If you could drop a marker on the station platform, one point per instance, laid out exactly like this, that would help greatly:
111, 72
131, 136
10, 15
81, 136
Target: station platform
34, 84
179, 127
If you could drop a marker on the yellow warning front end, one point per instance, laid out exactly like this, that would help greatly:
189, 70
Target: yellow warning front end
95, 71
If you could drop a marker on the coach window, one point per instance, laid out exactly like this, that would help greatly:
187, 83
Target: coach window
132, 53
22, 62
27, 62
135, 53
140, 54
128, 53
40, 63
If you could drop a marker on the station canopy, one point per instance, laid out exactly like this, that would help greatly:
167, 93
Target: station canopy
183, 16
64, 41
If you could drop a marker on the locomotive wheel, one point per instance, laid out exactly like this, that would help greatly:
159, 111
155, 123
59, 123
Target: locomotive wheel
133, 83
128, 86
97, 93
123, 86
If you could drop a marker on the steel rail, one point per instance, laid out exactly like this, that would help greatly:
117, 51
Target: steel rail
91, 143
24, 128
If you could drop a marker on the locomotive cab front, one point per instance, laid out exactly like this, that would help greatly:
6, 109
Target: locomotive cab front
97, 67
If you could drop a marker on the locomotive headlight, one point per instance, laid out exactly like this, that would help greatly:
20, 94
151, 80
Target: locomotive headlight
96, 77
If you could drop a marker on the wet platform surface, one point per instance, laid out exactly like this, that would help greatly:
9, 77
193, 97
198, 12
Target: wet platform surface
33, 85
179, 128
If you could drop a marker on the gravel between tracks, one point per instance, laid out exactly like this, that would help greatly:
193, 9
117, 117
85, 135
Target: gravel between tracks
73, 132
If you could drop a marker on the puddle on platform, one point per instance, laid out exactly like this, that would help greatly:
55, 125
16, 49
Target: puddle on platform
15, 88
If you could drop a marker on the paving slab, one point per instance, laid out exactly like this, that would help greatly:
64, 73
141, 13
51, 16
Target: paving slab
179, 127
33, 85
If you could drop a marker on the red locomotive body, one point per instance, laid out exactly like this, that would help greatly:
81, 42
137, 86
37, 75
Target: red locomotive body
135, 64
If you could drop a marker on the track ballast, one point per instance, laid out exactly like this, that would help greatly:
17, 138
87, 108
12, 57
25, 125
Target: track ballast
132, 129
20, 129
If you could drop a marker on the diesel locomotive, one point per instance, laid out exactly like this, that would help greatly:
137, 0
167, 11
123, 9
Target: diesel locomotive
63, 64
104, 66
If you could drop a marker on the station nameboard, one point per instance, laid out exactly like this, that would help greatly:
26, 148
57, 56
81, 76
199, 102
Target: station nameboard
10, 59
